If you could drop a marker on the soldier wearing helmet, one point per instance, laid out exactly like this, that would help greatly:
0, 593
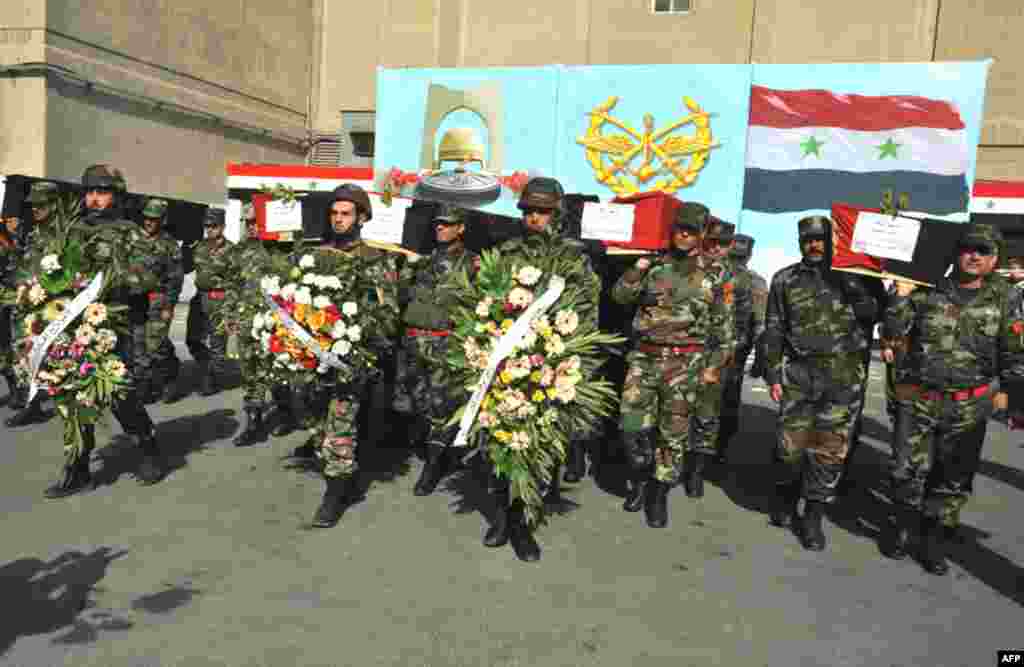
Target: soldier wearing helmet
110, 240
159, 364
684, 339
29, 243
963, 335
818, 322
542, 244
349, 211
424, 390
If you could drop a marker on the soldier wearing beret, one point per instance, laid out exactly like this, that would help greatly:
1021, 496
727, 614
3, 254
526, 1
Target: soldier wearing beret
963, 335
816, 322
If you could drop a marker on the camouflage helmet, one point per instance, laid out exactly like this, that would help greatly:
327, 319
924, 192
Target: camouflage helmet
214, 217
542, 192
814, 227
449, 215
103, 177
744, 247
351, 192
692, 215
719, 229
43, 192
155, 209
983, 235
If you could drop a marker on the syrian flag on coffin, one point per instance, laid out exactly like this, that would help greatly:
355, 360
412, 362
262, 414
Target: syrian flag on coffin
809, 148
865, 240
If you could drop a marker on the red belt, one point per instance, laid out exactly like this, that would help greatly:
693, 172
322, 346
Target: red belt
215, 294
155, 296
962, 395
436, 333
647, 348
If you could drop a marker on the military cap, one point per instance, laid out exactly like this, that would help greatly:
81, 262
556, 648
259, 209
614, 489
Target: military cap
980, 234
814, 227
744, 247
449, 215
214, 217
541, 192
719, 229
692, 215
43, 192
351, 192
103, 177
155, 208
248, 212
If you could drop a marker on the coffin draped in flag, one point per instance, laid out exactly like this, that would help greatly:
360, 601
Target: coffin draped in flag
809, 148
919, 250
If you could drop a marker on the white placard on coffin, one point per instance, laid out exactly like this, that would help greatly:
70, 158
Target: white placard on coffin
388, 222
284, 216
881, 235
605, 221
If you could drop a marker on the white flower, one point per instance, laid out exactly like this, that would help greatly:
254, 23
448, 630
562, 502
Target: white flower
540, 323
288, 291
339, 330
85, 333
355, 333
520, 298
555, 345
341, 348
303, 296
310, 279
483, 309
307, 262
567, 394
520, 441
257, 322
349, 308
332, 282
36, 295
529, 340
50, 263
271, 285
566, 322
528, 275
321, 302
95, 313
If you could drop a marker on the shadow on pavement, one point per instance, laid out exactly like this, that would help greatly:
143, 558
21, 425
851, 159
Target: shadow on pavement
177, 438
747, 478
43, 597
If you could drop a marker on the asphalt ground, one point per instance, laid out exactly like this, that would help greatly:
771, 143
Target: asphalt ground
216, 565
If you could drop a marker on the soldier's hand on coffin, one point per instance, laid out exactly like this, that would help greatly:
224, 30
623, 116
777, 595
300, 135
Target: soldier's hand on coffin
888, 355
904, 288
711, 375
776, 392
642, 264
1000, 401
166, 314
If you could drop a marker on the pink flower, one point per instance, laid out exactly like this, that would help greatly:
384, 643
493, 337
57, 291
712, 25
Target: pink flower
536, 360
86, 368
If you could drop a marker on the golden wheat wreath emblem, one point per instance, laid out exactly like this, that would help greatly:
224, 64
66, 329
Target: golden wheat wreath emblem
681, 156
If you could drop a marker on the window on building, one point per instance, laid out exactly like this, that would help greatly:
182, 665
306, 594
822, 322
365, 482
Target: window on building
671, 6
362, 143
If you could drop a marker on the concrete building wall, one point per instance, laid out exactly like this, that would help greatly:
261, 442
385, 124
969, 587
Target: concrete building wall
22, 125
493, 33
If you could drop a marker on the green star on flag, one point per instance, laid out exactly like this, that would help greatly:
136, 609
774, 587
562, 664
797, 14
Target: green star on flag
812, 145
888, 149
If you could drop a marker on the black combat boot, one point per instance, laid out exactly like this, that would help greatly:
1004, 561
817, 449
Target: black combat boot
13, 391
307, 450
497, 533
433, 470
19, 398
933, 546
656, 503
76, 476
554, 492
521, 534
208, 383
287, 422
30, 414
897, 532
576, 462
694, 481
153, 467
337, 495
811, 533
637, 490
146, 391
788, 496
255, 431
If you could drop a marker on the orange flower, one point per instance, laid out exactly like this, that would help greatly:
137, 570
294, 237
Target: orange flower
317, 319
300, 313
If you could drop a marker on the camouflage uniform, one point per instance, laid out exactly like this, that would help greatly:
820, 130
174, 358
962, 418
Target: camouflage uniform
158, 363
960, 341
815, 322
683, 327
217, 271
749, 327
424, 388
9, 251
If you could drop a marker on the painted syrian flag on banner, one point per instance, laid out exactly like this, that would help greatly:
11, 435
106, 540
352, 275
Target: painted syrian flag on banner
809, 148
